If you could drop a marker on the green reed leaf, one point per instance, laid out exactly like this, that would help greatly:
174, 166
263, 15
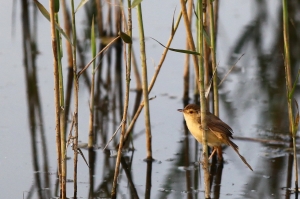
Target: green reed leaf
82, 2
126, 38
135, 3
179, 50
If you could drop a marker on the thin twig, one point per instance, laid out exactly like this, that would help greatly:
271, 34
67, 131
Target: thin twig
230, 69
210, 83
80, 152
105, 48
70, 133
113, 135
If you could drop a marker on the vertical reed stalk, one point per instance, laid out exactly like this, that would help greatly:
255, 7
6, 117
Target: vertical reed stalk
124, 119
56, 88
190, 40
186, 72
289, 86
61, 115
144, 82
68, 32
216, 16
67, 28
203, 99
213, 58
91, 107
91, 122
206, 51
76, 87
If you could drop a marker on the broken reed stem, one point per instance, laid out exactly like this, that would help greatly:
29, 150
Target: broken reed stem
213, 58
203, 100
144, 82
56, 89
126, 102
76, 89
288, 78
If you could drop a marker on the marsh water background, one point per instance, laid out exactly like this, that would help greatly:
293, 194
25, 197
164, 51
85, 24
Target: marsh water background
252, 102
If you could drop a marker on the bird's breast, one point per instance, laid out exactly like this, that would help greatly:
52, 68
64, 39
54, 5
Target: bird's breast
196, 130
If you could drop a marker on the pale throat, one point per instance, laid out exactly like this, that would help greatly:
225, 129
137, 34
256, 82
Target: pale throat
193, 126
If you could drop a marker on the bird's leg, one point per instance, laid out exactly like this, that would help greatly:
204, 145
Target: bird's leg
217, 149
219, 152
212, 153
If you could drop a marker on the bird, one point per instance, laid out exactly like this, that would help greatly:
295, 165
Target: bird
218, 132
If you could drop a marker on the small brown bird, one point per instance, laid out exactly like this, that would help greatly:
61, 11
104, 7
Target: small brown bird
218, 132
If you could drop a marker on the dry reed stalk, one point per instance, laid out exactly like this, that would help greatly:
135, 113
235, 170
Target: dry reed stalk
68, 32
67, 28
190, 40
289, 86
136, 73
186, 72
213, 59
91, 118
203, 100
61, 112
206, 54
126, 102
56, 91
145, 83
76, 90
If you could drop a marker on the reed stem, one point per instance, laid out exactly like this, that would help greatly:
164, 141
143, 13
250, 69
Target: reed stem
213, 58
91, 120
144, 82
56, 91
126, 102
289, 86
203, 99
186, 72
76, 90
190, 40
61, 112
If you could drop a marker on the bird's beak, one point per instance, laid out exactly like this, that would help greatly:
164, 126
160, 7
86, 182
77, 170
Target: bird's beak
180, 110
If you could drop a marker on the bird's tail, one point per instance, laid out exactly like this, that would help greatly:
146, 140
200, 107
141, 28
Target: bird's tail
236, 149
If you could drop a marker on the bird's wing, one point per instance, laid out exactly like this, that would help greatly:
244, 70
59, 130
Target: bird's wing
216, 125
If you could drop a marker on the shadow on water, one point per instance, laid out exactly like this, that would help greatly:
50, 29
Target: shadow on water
264, 82
269, 92
35, 114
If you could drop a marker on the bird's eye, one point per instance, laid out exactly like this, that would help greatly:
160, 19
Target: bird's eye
191, 112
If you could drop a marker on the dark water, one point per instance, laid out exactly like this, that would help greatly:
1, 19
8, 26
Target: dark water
252, 101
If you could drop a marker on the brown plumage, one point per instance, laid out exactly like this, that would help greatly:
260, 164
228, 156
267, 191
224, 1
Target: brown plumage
218, 131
